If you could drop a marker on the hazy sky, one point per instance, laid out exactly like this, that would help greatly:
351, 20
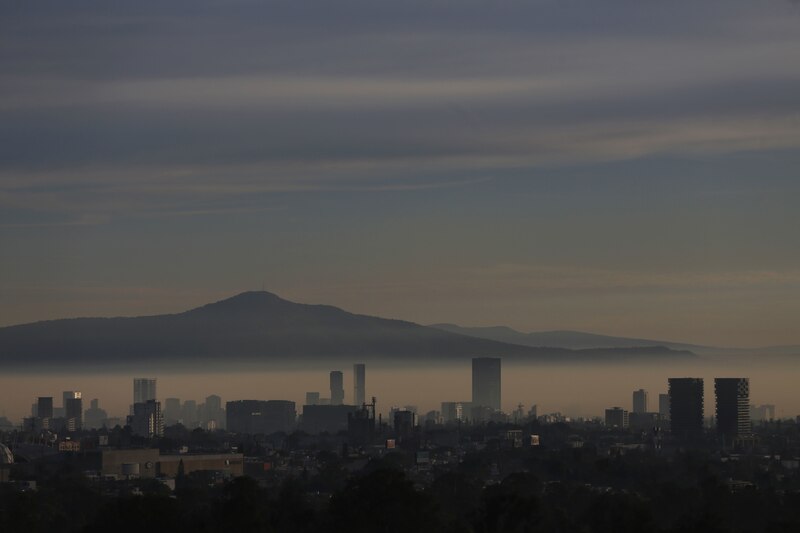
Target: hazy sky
623, 167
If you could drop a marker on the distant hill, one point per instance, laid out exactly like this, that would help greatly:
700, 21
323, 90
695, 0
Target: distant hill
578, 340
260, 326
574, 340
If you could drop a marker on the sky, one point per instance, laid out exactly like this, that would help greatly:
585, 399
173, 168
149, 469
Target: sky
625, 167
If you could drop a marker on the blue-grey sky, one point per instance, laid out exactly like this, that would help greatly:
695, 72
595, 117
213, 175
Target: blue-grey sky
623, 167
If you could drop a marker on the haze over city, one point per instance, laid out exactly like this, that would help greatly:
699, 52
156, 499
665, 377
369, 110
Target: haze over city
399, 266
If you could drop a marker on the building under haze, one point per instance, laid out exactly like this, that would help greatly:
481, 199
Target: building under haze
640, 401
73, 410
686, 407
147, 420
189, 414
144, 389
260, 416
663, 406
213, 415
172, 411
94, 417
486, 382
337, 388
312, 398
44, 407
617, 417
359, 384
326, 418
733, 407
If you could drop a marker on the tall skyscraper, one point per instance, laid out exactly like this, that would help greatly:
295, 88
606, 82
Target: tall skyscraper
73, 411
144, 389
486, 382
44, 407
640, 401
686, 406
733, 406
359, 384
337, 388
68, 395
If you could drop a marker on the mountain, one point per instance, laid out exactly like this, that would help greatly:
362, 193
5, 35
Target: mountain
260, 326
574, 340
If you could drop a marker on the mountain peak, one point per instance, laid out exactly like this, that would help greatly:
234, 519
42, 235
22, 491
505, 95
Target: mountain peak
245, 302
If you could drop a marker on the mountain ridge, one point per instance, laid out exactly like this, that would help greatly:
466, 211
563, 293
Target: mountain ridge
261, 326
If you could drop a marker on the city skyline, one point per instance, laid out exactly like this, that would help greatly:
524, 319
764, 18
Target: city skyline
302, 265
485, 383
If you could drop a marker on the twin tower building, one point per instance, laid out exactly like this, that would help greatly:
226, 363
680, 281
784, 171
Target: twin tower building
337, 388
732, 407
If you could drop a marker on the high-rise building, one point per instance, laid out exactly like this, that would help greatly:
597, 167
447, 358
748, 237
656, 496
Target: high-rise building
144, 389
73, 412
663, 406
733, 406
359, 384
486, 382
147, 420
686, 406
44, 407
337, 388
617, 417
312, 398
67, 395
640, 401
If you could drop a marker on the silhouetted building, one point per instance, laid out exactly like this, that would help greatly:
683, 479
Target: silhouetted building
312, 398
644, 421
640, 401
617, 417
147, 420
361, 424
337, 388
733, 407
663, 406
486, 382
686, 407
404, 424
359, 384
326, 418
44, 407
259, 416
73, 409
144, 389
